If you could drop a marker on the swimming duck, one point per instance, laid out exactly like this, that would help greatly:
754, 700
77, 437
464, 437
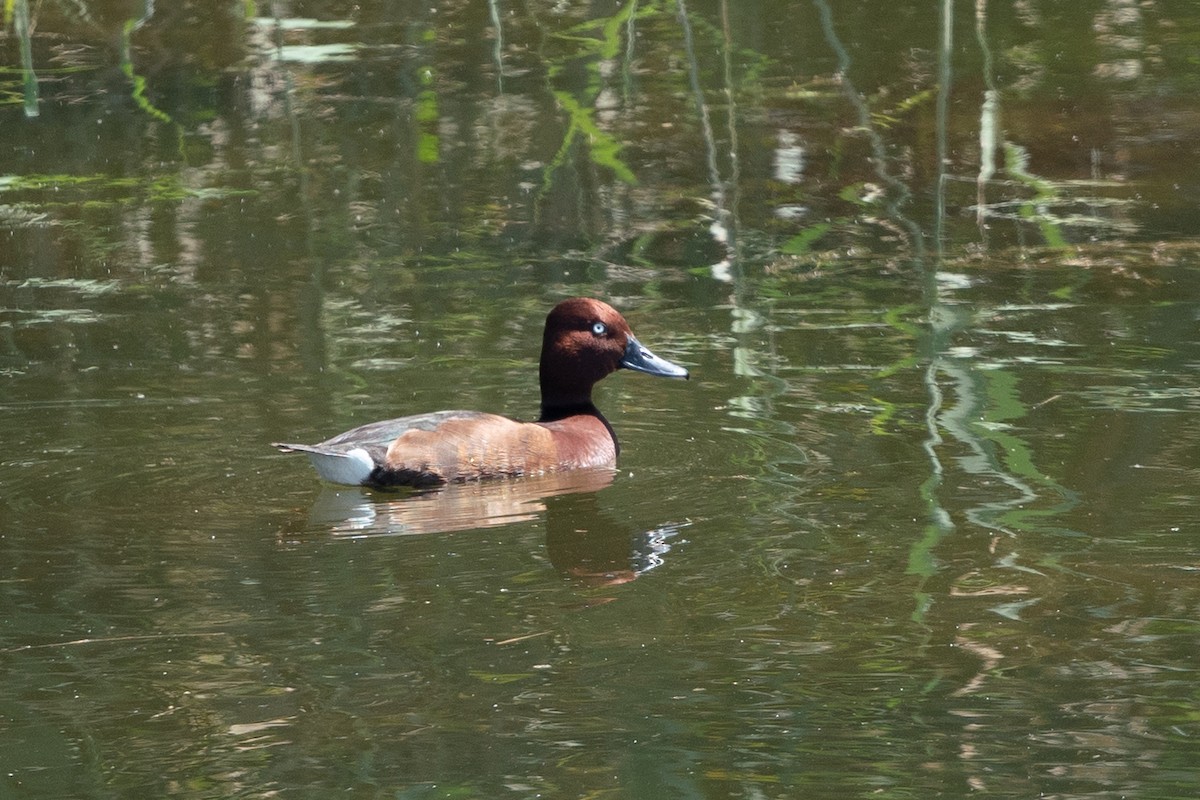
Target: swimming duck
584, 341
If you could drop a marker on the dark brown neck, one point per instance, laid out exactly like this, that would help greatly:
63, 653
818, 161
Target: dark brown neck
561, 395
557, 411
563, 386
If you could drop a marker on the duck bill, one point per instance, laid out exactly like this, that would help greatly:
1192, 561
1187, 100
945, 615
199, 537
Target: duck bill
639, 358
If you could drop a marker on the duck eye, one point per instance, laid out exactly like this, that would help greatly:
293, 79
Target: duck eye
599, 329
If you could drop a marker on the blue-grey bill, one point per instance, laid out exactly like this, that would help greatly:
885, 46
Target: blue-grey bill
639, 358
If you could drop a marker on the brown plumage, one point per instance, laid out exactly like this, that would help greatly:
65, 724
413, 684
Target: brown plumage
584, 341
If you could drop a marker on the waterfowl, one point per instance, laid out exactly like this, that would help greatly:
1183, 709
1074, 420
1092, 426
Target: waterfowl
584, 341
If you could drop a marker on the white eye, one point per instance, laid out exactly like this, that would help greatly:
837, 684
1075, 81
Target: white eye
599, 329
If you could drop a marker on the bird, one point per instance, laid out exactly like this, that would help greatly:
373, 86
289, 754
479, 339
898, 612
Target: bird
584, 341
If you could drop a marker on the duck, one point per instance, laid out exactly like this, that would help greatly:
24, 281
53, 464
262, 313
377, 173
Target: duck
584, 341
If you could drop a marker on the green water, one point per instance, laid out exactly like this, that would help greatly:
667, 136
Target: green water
922, 523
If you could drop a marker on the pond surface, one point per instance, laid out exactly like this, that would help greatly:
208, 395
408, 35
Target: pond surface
923, 523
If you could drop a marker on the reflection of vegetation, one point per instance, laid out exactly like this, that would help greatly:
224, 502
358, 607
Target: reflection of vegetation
896, 318
1016, 161
602, 146
977, 421
802, 242
16, 13
1015, 455
1050, 206
427, 119
137, 81
891, 116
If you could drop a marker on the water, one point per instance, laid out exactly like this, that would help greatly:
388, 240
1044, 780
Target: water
921, 524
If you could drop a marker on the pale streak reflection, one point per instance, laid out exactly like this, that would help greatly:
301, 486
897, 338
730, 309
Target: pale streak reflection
789, 158
581, 540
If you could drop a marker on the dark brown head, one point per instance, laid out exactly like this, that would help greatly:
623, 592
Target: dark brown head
586, 340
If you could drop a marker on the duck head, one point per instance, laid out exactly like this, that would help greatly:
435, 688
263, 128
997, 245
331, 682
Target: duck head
586, 340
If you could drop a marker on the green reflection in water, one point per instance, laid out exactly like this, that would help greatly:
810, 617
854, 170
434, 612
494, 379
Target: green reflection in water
138, 81
1016, 161
427, 119
1004, 405
603, 147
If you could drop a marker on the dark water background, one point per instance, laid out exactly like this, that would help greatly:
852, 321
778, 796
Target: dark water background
923, 523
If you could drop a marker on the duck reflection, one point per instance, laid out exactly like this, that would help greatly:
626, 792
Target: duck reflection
581, 540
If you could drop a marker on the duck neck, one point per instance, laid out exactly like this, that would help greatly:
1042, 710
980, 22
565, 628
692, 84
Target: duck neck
567, 392
561, 399
556, 411
565, 389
